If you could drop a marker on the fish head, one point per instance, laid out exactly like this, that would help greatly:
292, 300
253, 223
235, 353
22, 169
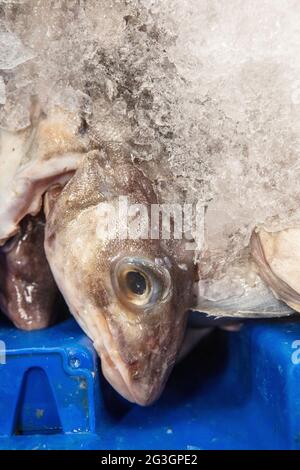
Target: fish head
130, 294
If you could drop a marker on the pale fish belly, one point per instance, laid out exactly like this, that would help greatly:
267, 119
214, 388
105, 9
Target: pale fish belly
33, 160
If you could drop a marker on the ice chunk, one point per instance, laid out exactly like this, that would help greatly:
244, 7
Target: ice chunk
12, 51
2, 91
15, 114
236, 115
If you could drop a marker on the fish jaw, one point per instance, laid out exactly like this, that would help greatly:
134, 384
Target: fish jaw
138, 372
138, 345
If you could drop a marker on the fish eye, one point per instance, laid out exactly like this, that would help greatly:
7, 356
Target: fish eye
140, 283
136, 282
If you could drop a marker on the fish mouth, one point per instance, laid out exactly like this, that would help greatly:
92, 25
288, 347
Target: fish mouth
117, 372
127, 389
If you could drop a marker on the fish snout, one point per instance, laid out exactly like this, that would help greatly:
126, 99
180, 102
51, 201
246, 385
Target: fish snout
138, 370
140, 382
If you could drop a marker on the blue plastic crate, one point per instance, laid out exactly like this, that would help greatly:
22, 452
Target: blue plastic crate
235, 391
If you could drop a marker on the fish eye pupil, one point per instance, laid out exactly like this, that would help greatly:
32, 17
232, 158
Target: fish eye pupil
136, 282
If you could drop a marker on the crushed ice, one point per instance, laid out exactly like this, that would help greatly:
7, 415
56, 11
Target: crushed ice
204, 94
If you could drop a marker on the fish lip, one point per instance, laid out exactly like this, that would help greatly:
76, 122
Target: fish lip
116, 371
127, 390
116, 379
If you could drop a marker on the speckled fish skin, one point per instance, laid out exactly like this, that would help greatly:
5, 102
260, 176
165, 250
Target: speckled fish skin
138, 348
27, 288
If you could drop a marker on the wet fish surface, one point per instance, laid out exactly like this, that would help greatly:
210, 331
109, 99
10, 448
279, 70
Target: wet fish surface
160, 102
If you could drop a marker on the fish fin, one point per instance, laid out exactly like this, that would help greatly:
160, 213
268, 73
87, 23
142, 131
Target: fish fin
277, 256
240, 293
